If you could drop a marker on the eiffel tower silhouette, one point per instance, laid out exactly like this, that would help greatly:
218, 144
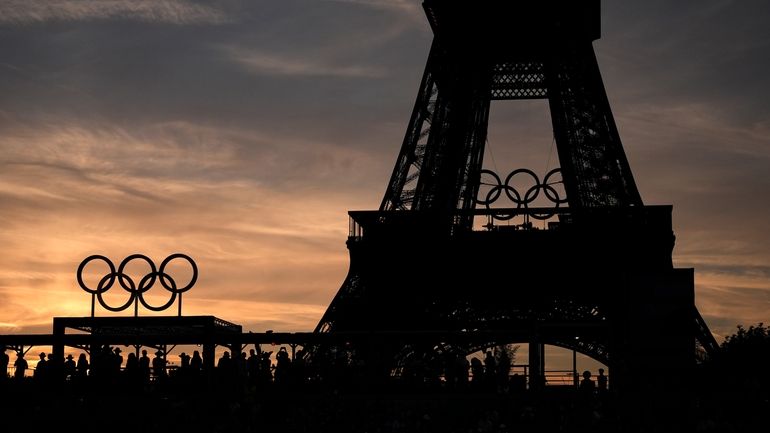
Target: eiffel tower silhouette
598, 279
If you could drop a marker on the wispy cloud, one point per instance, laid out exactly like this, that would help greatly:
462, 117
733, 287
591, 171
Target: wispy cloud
167, 11
270, 64
410, 6
411, 10
67, 192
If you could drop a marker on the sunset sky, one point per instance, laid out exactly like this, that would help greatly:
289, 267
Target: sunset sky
241, 133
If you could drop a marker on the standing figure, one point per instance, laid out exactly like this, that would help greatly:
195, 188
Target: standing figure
117, 360
477, 371
69, 367
490, 368
503, 370
252, 366
159, 365
132, 367
41, 369
265, 369
196, 363
587, 385
601, 381
21, 366
184, 361
82, 366
282, 365
144, 367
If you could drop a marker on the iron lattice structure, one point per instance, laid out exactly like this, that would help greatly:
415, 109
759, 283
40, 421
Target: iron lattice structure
441, 156
598, 281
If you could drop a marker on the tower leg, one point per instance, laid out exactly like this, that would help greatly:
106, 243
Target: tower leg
536, 364
58, 351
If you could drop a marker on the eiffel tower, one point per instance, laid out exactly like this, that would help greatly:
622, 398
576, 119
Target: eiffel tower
599, 279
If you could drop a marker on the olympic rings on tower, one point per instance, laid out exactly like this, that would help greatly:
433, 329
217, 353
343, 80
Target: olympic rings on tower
497, 187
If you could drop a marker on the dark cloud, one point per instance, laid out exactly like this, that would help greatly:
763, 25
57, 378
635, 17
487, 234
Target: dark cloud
179, 12
135, 72
709, 52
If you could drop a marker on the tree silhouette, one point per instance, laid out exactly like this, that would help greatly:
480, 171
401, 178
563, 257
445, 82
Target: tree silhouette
745, 357
734, 385
748, 343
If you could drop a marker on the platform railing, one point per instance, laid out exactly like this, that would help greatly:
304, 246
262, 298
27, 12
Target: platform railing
510, 219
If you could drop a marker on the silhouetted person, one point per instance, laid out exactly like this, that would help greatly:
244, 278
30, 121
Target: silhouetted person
159, 366
477, 371
463, 367
224, 363
226, 369
503, 369
196, 362
587, 386
95, 367
490, 367
117, 360
144, 366
299, 367
265, 370
456, 370
282, 365
82, 366
21, 366
41, 369
252, 366
132, 366
240, 366
54, 368
601, 381
184, 361
518, 383
4, 360
102, 362
69, 367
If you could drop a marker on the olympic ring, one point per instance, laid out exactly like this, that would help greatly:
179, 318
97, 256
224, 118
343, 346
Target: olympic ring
498, 187
136, 291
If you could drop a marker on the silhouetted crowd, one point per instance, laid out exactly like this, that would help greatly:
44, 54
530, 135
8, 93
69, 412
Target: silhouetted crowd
255, 390
256, 368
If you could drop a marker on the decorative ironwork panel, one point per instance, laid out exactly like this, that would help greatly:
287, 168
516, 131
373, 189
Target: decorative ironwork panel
519, 81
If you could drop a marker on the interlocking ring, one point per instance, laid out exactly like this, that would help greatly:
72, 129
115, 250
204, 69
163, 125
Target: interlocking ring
497, 188
136, 290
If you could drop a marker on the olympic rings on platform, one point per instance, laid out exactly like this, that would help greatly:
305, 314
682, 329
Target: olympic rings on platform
136, 290
498, 187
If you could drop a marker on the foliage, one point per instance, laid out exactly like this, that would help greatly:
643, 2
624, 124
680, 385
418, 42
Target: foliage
508, 350
748, 346
742, 362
